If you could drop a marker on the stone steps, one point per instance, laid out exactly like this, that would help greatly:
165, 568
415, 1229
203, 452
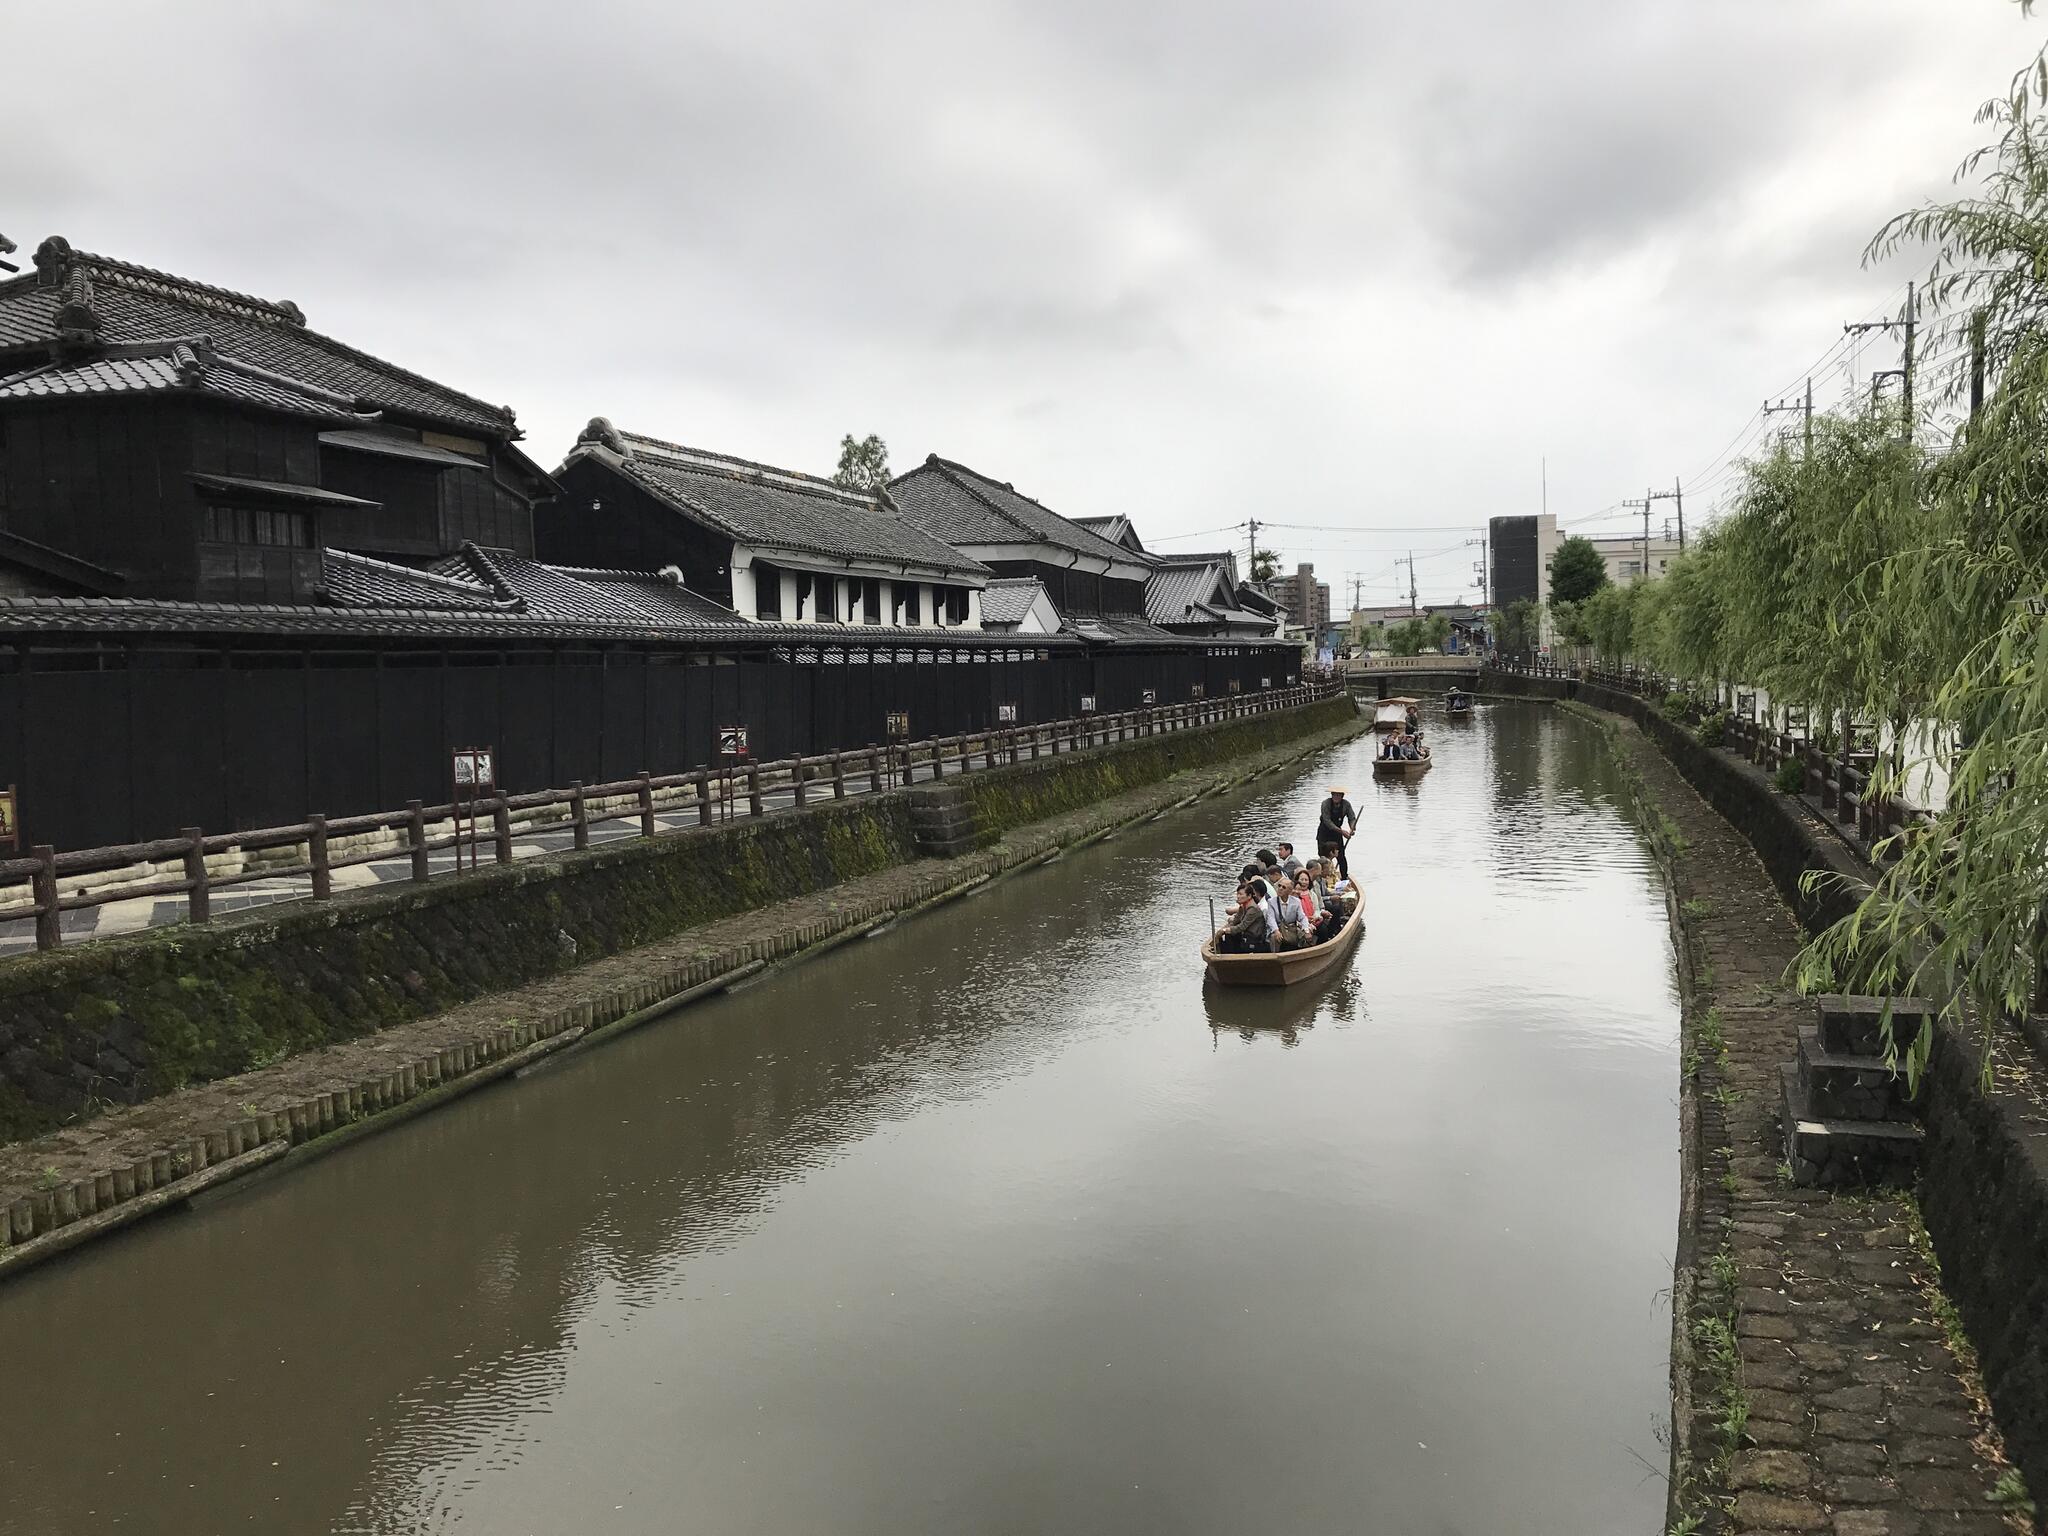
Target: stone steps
943, 822
1845, 1112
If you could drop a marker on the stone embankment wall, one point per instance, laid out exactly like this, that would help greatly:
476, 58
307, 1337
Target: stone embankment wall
1984, 1169
128, 1019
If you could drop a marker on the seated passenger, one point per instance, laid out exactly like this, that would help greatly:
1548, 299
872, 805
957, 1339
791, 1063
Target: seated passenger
1289, 921
1290, 866
1248, 932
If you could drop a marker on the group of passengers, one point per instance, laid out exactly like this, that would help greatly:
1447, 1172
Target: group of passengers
1403, 746
1283, 904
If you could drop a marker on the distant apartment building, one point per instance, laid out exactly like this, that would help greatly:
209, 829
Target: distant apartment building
1630, 559
1304, 600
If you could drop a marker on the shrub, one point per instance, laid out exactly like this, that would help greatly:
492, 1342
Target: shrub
1791, 777
1713, 730
1676, 708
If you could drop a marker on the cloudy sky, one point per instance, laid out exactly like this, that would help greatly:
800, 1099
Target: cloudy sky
1352, 267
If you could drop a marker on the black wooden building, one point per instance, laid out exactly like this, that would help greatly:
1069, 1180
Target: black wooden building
248, 572
189, 442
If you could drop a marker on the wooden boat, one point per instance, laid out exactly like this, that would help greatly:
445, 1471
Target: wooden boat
1286, 967
1400, 767
1457, 705
1392, 714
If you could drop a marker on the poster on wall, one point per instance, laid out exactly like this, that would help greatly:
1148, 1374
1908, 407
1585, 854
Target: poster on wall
476, 768
732, 742
1006, 714
898, 725
10, 820
1087, 703
1149, 696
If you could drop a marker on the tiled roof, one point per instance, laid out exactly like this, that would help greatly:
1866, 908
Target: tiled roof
1008, 599
101, 615
357, 581
772, 508
93, 301
656, 595
54, 563
546, 592
954, 503
1172, 589
1121, 628
174, 364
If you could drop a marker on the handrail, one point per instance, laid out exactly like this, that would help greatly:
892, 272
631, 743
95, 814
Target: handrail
420, 828
1840, 780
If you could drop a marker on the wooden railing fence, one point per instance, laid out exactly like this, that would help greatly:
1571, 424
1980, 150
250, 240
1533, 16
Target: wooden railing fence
59, 882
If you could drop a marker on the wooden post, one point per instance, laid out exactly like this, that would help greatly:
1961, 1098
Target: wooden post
43, 886
754, 806
579, 815
198, 903
702, 784
316, 855
874, 771
646, 803
501, 827
838, 775
796, 781
416, 837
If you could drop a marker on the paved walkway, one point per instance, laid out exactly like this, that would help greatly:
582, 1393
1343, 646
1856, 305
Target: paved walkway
1826, 1393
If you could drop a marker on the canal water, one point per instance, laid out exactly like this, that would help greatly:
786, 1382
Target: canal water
996, 1222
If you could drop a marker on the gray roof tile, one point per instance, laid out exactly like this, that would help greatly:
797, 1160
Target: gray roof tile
770, 508
954, 503
111, 302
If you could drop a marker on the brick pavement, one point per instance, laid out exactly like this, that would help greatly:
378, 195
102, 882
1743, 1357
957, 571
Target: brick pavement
1825, 1394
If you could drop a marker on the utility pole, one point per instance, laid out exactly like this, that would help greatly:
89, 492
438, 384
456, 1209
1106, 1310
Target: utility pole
1485, 586
1784, 406
1677, 494
1413, 609
1976, 364
1908, 321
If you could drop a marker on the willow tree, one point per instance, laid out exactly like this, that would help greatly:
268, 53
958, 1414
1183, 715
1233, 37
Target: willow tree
1958, 915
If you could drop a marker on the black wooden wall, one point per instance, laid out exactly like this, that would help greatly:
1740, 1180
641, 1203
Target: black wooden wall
113, 744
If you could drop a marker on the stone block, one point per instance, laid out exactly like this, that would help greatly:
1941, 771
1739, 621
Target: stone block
1845, 1087
1776, 1512
1853, 1025
1786, 1471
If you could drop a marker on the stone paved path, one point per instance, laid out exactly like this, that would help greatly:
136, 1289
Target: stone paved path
1855, 1415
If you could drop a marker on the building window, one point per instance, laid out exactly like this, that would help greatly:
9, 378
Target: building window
871, 599
257, 525
913, 604
767, 591
1628, 568
803, 595
956, 605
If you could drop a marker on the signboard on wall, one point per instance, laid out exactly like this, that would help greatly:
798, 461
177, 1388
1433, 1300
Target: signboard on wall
898, 725
1265, 682
10, 820
732, 741
1087, 703
1149, 696
476, 768
1006, 714
1745, 705
1196, 691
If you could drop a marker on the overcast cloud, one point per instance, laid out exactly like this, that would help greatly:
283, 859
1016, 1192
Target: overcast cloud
1343, 263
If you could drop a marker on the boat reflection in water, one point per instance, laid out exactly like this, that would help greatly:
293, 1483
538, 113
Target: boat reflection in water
1251, 1013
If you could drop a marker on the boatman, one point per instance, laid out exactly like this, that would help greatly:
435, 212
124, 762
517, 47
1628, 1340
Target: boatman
1336, 821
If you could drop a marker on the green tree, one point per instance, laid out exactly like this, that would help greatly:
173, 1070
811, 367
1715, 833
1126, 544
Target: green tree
863, 465
1576, 571
1265, 564
1569, 621
1518, 627
1436, 632
1406, 638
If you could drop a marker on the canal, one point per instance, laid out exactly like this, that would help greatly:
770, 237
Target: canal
995, 1222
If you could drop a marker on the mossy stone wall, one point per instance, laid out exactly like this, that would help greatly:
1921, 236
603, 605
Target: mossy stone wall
119, 1021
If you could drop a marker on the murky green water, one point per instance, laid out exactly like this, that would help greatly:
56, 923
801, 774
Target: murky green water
994, 1223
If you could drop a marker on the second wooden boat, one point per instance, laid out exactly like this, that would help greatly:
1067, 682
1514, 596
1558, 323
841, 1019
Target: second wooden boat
1400, 767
